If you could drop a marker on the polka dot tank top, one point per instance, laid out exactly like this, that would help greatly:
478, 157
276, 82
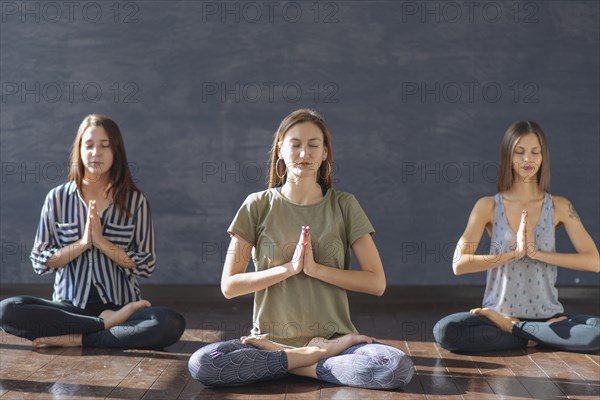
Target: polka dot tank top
523, 288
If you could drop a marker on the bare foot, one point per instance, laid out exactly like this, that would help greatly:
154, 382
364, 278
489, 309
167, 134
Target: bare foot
501, 321
337, 345
261, 342
58, 341
561, 318
114, 318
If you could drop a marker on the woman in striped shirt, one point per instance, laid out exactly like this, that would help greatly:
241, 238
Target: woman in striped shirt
96, 234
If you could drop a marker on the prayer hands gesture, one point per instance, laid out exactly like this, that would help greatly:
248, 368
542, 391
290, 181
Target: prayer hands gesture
303, 258
526, 245
92, 232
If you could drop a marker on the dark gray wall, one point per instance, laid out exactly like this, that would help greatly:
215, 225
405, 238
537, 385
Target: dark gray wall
417, 96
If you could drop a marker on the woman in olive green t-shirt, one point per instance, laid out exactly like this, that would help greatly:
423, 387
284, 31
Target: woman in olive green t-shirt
300, 232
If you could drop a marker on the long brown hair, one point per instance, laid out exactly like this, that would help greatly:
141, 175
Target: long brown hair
509, 141
120, 179
276, 170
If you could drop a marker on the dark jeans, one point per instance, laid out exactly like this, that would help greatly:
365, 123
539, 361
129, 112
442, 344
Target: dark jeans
31, 317
470, 333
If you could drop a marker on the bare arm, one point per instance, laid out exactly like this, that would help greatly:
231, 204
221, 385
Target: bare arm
586, 257
111, 250
235, 281
370, 279
92, 236
465, 261
115, 253
66, 254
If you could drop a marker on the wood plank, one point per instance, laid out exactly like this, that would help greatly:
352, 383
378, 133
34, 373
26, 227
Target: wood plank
499, 376
170, 383
22, 389
298, 388
582, 364
595, 358
467, 377
532, 377
111, 373
344, 392
20, 362
139, 380
565, 377
193, 389
435, 380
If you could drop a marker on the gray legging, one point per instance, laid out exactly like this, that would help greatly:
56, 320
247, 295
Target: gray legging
31, 317
470, 333
231, 363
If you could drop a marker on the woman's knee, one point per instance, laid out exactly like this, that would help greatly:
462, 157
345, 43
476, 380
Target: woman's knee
447, 332
13, 318
594, 345
170, 326
197, 363
591, 339
440, 332
380, 367
202, 363
9, 309
394, 371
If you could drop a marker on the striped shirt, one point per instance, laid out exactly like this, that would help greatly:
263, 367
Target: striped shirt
62, 222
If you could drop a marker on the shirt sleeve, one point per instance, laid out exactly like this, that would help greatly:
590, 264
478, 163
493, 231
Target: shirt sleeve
45, 245
142, 250
356, 221
245, 221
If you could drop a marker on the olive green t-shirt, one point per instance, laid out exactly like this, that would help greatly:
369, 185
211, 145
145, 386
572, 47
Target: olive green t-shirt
300, 308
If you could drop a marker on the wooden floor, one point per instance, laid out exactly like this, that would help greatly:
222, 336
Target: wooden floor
74, 373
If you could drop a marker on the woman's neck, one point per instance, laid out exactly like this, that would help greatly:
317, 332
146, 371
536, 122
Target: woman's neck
302, 191
96, 185
524, 191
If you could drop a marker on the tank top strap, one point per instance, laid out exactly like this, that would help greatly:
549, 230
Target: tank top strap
546, 220
498, 207
500, 227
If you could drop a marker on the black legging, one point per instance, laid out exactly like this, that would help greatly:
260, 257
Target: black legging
470, 333
32, 317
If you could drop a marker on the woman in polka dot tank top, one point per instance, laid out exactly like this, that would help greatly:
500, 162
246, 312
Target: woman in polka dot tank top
520, 306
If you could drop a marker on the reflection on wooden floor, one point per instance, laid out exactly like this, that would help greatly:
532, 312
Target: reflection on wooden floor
74, 373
